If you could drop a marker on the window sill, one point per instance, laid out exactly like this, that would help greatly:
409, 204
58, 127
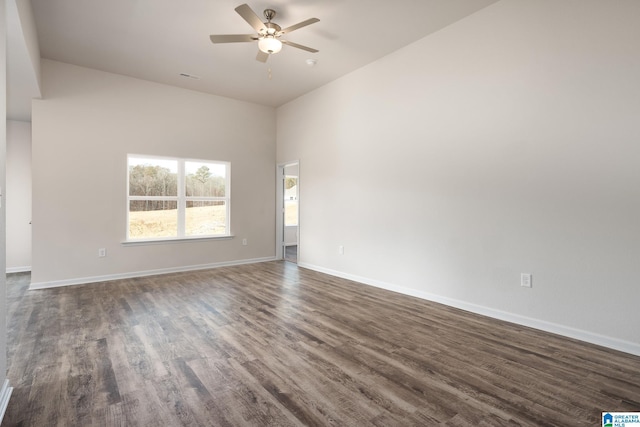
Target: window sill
170, 240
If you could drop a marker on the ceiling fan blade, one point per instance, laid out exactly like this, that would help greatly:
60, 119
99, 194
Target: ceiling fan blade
262, 57
232, 38
250, 16
299, 25
299, 46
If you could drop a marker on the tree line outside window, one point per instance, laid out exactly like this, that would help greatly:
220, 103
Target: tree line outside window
173, 197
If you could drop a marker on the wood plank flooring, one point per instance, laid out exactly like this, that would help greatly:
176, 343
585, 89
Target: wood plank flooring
273, 344
291, 253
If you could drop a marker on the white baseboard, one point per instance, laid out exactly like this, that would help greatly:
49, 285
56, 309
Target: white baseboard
5, 395
18, 269
130, 275
590, 337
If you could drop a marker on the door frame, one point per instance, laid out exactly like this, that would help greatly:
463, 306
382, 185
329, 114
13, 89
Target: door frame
280, 208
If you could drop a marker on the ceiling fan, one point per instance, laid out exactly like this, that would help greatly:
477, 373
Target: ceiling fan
268, 33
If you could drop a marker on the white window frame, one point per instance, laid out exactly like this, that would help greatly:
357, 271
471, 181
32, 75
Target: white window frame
181, 200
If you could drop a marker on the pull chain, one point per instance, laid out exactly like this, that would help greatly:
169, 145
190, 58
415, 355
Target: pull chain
269, 73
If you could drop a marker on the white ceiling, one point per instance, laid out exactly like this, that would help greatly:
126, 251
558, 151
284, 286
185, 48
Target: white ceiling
157, 40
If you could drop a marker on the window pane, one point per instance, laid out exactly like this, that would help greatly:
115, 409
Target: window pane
290, 201
153, 177
204, 218
205, 179
290, 213
153, 218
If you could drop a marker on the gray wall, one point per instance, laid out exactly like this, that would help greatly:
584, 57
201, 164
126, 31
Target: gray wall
507, 143
83, 129
18, 196
3, 236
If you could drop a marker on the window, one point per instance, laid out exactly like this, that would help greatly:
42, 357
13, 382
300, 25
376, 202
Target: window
290, 201
177, 198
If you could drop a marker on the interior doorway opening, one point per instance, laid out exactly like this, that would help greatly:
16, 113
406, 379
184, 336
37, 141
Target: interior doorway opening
288, 212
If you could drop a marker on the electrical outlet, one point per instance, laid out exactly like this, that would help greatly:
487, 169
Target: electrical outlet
244, 242
102, 252
526, 280
341, 250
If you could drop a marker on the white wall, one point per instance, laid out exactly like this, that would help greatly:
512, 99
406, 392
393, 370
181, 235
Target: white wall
23, 60
30, 36
83, 129
505, 143
18, 196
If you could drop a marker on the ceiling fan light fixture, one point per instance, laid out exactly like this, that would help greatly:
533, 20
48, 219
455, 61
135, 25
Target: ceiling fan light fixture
269, 44
267, 34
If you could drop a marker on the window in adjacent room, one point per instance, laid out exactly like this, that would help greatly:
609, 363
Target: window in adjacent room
173, 198
290, 201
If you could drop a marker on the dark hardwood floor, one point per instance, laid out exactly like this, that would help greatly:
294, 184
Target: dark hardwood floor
275, 344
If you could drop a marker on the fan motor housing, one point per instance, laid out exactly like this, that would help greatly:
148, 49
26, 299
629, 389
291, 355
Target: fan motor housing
271, 26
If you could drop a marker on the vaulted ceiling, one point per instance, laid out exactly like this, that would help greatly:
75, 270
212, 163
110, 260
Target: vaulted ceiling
158, 40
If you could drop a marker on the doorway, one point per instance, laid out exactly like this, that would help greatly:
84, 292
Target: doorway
288, 240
